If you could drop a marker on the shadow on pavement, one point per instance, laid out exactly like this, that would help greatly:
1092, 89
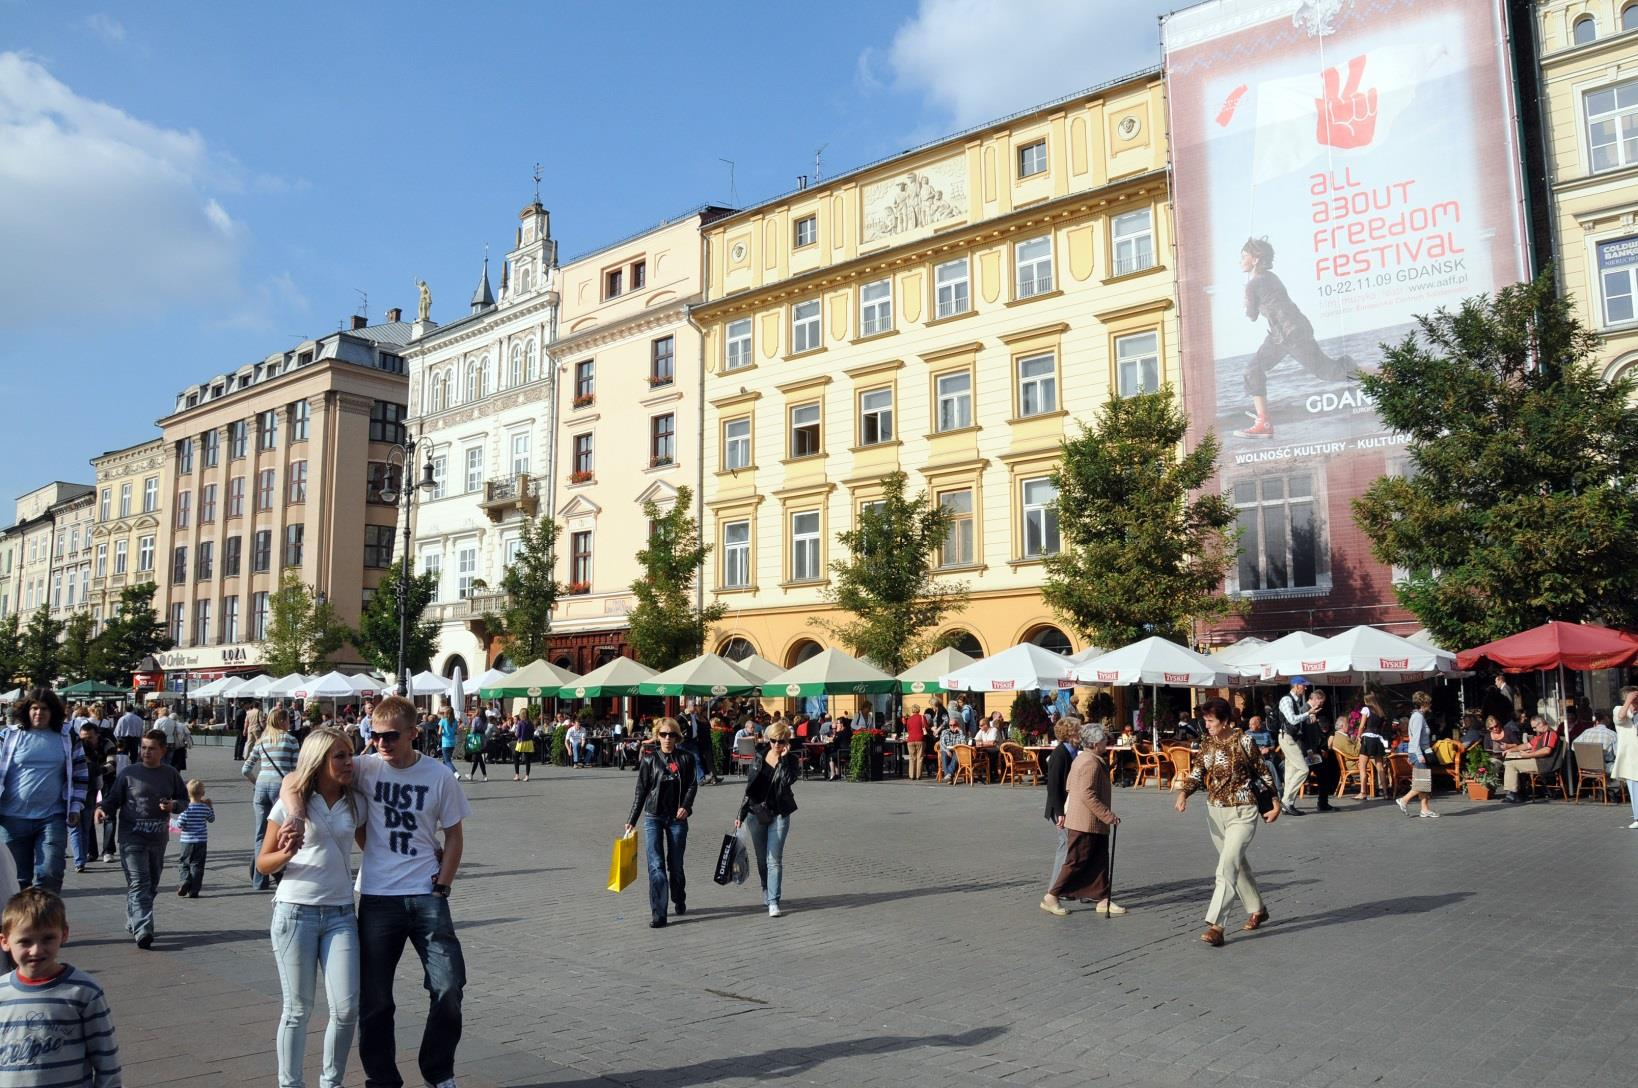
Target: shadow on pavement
1408, 904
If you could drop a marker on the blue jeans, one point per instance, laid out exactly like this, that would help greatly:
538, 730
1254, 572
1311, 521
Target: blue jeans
449, 758
190, 866
577, 752
305, 939
261, 804
1632, 796
385, 922
768, 840
667, 840
699, 763
37, 847
82, 835
949, 759
144, 864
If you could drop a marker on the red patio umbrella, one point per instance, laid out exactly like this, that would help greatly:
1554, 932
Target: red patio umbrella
1555, 645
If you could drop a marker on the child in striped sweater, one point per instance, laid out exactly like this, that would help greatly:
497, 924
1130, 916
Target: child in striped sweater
55, 1027
195, 836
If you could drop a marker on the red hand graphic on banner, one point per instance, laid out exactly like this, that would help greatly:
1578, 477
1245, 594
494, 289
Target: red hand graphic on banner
1226, 114
1346, 117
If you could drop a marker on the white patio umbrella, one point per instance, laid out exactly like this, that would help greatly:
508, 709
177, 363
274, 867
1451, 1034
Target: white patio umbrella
1244, 652
210, 690
1157, 662
364, 684
1081, 657
1363, 654
457, 692
1259, 667
1025, 667
332, 685
494, 678
294, 685
922, 677
428, 683
12, 696
253, 687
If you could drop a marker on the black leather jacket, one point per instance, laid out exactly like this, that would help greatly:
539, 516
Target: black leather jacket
652, 771
780, 798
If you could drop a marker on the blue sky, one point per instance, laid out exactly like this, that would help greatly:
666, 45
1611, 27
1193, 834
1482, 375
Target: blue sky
187, 187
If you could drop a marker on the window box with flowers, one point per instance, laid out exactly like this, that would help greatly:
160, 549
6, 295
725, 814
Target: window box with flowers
657, 380
585, 400
575, 589
581, 476
661, 461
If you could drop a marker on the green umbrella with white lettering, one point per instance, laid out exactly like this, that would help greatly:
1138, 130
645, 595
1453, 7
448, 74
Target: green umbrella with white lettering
922, 678
830, 672
707, 674
536, 679
94, 688
621, 676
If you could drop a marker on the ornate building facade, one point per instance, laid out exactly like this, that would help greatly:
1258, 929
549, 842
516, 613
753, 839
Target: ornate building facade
125, 533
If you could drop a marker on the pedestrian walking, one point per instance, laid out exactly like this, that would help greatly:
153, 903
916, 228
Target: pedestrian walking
82, 832
194, 825
143, 797
272, 756
1089, 820
1226, 767
1068, 733
448, 727
768, 804
55, 1026
523, 745
1419, 741
1625, 719
667, 781
128, 733
1296, 711
314, 927
43, 778
237, 724
477, 736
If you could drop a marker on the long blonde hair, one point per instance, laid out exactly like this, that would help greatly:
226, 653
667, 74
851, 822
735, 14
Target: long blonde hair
278, 723
312, 759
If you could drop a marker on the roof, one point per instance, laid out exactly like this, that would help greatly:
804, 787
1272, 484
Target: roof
388, 332
710, 212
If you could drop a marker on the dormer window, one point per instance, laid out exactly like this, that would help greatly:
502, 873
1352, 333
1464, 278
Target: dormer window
639, 275
614, 282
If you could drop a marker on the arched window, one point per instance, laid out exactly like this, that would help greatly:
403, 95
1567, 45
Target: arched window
525, 278
531, 364
801, 652
1629, 17
487, 365
736, 649
446, 393
514, 375
456, 661
967, 643
1585, 29
1049, 637
472, 390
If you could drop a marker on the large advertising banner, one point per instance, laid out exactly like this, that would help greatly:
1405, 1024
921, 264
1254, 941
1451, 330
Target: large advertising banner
1340, 166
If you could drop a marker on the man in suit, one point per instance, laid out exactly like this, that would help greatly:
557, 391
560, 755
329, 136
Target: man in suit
1296, 710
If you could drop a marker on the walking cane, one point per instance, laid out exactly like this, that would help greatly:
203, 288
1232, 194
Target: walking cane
1114, 830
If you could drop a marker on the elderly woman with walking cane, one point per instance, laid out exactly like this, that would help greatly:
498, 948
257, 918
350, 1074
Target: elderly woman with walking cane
1091, 823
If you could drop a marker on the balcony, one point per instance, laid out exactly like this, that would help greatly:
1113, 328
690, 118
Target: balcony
510, 495
486, 601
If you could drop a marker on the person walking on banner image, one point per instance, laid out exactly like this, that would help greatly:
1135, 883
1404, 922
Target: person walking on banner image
1290, 335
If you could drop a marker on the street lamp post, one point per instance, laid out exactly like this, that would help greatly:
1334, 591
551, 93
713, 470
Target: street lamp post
406, 457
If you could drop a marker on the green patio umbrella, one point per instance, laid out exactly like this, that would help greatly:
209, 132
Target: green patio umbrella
94, 688
707, 674
922, 678
758, 668
536, 679
621, 676
830, 672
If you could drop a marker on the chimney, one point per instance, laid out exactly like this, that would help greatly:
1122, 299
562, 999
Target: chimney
395, 314
801, 181
359, 321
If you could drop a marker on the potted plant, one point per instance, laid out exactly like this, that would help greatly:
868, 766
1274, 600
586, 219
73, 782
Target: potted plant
585, 400
576, 588
1481, 773
580, 476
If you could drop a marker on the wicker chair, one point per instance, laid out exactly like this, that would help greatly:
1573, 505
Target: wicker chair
1019, 761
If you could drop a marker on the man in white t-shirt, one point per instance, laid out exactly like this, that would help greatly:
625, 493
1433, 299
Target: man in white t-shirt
404, 876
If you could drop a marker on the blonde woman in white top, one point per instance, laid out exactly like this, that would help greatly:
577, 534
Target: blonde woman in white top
314, 925
1626, 747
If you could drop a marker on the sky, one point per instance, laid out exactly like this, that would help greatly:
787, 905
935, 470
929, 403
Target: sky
186, 188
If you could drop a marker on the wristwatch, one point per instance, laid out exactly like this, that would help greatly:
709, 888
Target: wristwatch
440, 889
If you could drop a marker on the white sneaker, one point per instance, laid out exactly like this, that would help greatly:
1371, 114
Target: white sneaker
1400, 801
773, 910
1428, 814
450, 1083
1633, 826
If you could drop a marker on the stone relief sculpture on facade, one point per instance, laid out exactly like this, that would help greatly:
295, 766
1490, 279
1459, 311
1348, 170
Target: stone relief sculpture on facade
917, 199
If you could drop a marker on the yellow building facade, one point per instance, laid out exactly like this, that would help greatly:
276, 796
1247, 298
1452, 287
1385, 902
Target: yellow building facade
953, 313
1589, 64
127, 529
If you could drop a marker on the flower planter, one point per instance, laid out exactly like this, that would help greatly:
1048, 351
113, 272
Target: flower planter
1478, 791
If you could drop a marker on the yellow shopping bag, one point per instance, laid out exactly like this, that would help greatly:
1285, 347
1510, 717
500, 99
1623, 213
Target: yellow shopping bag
623, 865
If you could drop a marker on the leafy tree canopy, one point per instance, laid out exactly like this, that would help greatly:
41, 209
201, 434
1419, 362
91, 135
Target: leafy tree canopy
303, 632
668, 625
531, 588
377, 634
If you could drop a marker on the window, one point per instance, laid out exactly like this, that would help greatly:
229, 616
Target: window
1280, 536
955, 400
1037, 385
1617, 269
580, 558
875, 416
212, 443
440, 473
105, 504
613, 282
807, 231
805, 430
179, 620
261, 551
433, 563
179, 564
300, 412
258, 616
739, 345
805, 326
1133, 239
1584, 30
57, 591
662, 359
736, 443
184, 456
230, 620
264, 489
73, 540
958, 538
204, 564
736, 555
531, 362
585, 381
875, 307
805, 546
1629, 17
474, 468
662, 439
378, 545
207, 504
1137, 362
472, 390
184, 512
639, 274
514, 370
238, 438
379, 477
387, 422
1033, 259
293, 535
1040, 517
296, 487
125, 499
267, 430
102, 560
202, 634
236, 497
145, 554
582, 457
1032, 159
122, 556
466, 570
950, 288
232, 552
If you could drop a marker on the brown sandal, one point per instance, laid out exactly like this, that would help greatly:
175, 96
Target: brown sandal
1213, 936
1256, 920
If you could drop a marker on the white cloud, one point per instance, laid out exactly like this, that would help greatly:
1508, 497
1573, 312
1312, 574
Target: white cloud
104, 26
102, 213
981, 59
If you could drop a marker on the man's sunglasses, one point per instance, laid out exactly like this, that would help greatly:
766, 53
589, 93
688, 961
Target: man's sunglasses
386, 734
673, 735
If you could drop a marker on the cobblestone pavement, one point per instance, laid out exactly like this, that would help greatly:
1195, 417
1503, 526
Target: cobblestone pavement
1483, 948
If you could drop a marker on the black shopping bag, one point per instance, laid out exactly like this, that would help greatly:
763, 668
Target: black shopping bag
725, 859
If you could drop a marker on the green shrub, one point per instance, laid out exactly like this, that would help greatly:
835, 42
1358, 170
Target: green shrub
587, 715
560, 746
858, 768
722, 745
1027, 715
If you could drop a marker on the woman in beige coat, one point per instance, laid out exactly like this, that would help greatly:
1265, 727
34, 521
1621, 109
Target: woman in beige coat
1626, 748
1088, 818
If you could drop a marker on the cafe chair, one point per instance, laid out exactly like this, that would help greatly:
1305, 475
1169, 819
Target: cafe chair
1019, 761
1399, 772
1350, 772
1180, 759
1589, 771
1150, 761
966, 760
1553, 778
743, 755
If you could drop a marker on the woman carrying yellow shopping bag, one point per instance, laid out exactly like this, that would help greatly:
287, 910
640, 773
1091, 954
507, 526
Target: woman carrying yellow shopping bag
623, 865
665, 796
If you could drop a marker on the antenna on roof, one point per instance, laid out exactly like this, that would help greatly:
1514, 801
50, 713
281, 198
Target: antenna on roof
363, 303
537, 175
819, 163
733, 193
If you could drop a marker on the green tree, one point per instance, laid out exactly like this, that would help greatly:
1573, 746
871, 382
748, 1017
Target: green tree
11, 650
302, 631
888, 587
1139, 556
78, 658
134, 632
1519, 504
667, 625
531, 589
377, 634
40, 657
